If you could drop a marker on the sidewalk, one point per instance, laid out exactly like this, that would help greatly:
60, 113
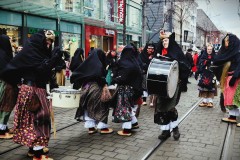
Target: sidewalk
202, 138
74, 143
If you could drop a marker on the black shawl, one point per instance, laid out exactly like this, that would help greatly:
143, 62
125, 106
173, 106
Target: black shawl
32, 62
231, 53
205, 60
175, 53
129, 71
92, 69
77, 59
145, 57
5, 51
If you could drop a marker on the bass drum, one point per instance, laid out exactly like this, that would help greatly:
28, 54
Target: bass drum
162, 77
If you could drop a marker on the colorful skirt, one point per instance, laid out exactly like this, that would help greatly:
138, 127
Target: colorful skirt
32, 128
8, 97
124, 104
229, 92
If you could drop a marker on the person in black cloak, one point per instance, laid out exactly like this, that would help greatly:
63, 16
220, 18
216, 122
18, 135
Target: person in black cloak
8, 92
77, 59
60, 69
146, 57
91, 76
229, 56
166, 114
129, 80
33, 64
207, 83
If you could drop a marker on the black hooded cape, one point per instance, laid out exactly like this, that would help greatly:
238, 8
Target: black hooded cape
205, 61
33, 63
145, 57
77, 59
231, 53
129, 70
5, 51
92, 69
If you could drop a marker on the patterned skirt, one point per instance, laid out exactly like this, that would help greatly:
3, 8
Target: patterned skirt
8, 97
124, 104
90, 101
32, 128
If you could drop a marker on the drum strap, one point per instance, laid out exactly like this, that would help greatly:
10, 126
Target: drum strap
52, 119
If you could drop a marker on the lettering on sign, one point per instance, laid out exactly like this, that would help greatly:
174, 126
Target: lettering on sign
108, 32
120, 11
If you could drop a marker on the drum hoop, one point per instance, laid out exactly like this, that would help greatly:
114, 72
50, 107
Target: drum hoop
173, 62
65, 91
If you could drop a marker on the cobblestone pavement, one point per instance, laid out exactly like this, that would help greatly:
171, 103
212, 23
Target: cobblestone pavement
202, 135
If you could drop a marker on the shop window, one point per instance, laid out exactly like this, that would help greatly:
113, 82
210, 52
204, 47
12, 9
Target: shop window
70, 42
14, 34
95, 41
91, 8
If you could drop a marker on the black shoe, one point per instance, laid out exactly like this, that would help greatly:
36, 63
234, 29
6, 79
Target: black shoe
165, 134
176, 134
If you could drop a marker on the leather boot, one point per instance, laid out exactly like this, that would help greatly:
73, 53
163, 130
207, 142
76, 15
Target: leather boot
176, 133
164, 135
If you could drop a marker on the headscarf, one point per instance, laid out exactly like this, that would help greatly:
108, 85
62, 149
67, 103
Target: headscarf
175, 52
77, 59
5, 51
33, 55
94, 67
226, 54
205, 58
145, 56
129, 63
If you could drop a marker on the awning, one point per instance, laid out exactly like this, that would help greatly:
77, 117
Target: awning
46, 9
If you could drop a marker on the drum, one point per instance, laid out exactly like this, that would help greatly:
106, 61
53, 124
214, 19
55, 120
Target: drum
162, 77
65, 98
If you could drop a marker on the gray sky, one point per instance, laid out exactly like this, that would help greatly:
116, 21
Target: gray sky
223, 13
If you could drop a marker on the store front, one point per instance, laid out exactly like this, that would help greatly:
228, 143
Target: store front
70, 36
97, 37
11, 25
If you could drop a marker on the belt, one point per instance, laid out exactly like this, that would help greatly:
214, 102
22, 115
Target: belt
29, 83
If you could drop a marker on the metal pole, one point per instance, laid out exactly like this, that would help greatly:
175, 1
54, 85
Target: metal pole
124, 22
143, 23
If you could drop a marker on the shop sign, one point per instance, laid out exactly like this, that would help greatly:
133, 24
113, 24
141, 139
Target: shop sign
35, 30
110, 32
121, 11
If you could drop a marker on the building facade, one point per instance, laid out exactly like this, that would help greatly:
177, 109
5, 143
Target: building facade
207, 32
76, 23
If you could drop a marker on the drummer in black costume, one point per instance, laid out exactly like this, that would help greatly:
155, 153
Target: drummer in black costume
166, 114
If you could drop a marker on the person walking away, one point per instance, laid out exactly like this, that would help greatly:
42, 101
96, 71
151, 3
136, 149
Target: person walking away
90, 75
76, 60
129, 81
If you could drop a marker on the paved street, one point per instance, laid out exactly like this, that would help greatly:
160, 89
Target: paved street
202, 136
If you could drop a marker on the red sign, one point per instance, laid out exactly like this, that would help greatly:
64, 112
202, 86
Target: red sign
120, 11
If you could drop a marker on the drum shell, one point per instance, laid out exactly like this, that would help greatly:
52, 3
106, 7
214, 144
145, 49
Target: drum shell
158, 79
65, 98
